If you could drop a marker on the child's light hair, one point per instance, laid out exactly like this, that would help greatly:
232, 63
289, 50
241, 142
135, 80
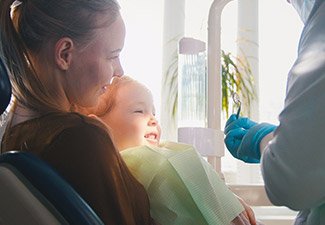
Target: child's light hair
108, 100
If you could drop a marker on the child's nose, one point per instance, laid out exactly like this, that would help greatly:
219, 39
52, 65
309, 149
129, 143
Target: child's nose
153, 121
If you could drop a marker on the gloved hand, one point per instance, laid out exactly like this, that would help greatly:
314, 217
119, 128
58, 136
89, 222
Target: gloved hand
243, 138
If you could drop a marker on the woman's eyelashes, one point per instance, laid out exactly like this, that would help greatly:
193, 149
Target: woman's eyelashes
111, 58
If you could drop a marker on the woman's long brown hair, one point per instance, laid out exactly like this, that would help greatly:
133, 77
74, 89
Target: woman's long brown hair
30, 26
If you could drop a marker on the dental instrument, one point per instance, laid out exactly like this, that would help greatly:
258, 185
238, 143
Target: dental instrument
236, 99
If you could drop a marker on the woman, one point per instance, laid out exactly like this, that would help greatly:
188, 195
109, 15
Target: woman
61, 54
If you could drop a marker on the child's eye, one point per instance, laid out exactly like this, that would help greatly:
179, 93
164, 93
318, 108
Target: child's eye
138, 111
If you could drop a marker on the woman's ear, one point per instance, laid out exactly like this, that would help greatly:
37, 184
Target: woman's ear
63, 53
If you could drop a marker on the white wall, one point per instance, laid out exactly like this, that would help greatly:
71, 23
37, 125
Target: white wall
280, 29
141, 57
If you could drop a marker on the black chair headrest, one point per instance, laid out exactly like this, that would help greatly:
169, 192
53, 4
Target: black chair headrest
5, 88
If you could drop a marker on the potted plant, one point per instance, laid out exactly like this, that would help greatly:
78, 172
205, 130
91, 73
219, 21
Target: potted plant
236, 78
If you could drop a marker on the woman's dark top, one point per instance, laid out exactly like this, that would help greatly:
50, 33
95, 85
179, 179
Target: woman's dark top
81, 151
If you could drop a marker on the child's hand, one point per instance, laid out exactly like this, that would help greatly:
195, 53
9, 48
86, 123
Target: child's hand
249, 213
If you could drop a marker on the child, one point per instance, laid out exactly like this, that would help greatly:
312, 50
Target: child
182, 187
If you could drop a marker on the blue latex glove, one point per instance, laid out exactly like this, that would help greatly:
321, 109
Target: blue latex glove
243, 137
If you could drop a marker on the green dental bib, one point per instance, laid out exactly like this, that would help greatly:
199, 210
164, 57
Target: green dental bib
182, 187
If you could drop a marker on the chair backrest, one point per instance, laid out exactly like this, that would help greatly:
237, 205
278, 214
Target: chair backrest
31, 192
5, 88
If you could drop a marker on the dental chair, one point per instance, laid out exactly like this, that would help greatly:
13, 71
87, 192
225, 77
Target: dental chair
31, 192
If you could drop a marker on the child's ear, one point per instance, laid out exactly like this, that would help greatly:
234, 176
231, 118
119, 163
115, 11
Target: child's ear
63, 53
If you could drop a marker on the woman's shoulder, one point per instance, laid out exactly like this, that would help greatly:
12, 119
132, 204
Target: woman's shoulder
42, 131
82, 126
69, 119
54, 123
65, 120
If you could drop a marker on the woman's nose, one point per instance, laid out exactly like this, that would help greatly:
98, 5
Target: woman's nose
118, 69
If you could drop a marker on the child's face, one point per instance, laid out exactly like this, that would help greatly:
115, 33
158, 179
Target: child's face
132, 119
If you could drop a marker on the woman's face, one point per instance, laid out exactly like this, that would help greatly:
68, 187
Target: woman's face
92, 67
132, 119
